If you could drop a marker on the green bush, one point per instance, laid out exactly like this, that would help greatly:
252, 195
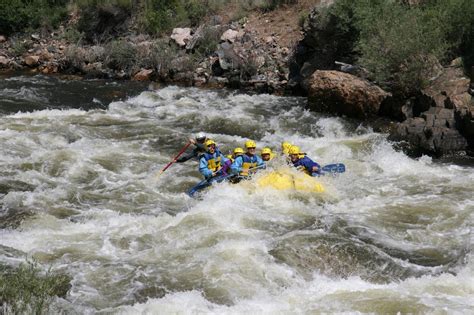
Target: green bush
121, 55
400, 44
163, 15
20, 46
457, 18
195, 11
332, 34
397, 43
72, 35
161, 53
21, 15
28, 290
207, 44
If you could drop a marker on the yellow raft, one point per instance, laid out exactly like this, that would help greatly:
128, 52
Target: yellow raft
285, 179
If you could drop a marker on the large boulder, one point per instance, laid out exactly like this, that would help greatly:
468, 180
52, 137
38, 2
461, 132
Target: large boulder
230, 35
32, 60
343, 94
442, 118
143, 75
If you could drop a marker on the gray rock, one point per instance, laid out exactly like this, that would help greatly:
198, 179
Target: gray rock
181, 36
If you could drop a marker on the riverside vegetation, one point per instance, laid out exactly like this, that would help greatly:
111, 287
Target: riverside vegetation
28, 290
398, 43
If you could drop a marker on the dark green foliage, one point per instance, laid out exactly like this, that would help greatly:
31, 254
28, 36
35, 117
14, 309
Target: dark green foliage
20, 46
333, 34
27, 290
124, 4
163, 15
195, 11
102, 22
400, 44
20, 15
457, 18
72, 35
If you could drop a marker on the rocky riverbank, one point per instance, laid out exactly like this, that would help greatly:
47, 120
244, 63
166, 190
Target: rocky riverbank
215, 54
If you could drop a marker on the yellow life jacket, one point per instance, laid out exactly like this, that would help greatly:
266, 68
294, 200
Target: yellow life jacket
245, 168
214, 164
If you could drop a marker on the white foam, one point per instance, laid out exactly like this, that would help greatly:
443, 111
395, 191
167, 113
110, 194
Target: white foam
102, 214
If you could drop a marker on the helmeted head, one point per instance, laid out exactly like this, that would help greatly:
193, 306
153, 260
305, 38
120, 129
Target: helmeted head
294, 153
200, 137
285, 147
210, 146
266, 154
238, 151
250, 146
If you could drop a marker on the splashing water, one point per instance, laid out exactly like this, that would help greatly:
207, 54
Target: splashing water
79, 192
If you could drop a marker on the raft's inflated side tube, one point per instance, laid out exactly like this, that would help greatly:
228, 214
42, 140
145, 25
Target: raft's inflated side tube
286, 180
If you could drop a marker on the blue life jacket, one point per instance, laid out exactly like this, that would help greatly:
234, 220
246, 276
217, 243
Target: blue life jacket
210, 163
307, 164
244, 164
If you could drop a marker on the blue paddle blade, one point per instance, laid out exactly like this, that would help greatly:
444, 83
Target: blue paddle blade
206, 183
334, 168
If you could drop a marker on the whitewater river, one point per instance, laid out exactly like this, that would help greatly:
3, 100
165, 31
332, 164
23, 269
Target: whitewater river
79, 193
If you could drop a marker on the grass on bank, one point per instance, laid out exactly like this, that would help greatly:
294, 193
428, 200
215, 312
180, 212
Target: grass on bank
29, 290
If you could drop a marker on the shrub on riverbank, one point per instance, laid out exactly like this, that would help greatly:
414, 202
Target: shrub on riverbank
21, 15
398, 43
27, 290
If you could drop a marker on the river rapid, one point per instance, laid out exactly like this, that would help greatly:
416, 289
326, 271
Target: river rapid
79, 192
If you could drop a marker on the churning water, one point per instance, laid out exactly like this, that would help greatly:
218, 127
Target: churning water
79, 192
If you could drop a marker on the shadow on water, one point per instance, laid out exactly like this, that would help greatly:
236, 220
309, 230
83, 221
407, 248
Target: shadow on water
339, 250
28, 92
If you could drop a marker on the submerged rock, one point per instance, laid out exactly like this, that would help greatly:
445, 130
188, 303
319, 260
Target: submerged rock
336, 256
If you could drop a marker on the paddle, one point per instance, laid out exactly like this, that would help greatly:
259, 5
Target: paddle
175, 158
206, 183
332, 168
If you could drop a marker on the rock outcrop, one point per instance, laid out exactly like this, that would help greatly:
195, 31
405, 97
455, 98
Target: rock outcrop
344, 94
442, 118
